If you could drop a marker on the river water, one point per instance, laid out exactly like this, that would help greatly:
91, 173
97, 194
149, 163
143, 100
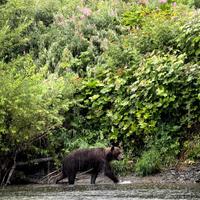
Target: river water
101, 192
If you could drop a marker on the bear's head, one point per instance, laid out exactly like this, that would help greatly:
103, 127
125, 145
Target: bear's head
114, 153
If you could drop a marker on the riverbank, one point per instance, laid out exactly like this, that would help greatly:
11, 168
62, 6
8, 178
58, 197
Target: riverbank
184, 174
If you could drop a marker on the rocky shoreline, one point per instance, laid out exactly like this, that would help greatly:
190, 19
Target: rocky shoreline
183, 175
189, 173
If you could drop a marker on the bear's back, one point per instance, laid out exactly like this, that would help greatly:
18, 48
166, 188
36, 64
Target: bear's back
84, 159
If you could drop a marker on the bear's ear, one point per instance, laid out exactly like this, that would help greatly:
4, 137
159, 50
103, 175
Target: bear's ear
112, 148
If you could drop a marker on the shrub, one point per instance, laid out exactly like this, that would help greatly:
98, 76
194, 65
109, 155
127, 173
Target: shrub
136, 16
85, 34
14, 25
132, 103
149, 163
197, 3
137, 72
157, 29
123, 167
30, 104
189, 40
167, 142
192, 148
31, 109
163, 151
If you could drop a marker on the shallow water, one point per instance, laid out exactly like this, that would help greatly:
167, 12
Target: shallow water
101, 192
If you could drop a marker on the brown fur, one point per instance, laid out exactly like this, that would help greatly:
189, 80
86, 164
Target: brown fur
92, 160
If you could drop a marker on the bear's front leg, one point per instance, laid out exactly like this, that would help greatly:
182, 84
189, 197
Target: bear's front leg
108, 172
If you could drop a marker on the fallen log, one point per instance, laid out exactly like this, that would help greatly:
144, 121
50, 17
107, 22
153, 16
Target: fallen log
34, 161
53, 176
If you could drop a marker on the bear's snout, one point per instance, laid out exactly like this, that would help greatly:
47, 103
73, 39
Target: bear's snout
120, 156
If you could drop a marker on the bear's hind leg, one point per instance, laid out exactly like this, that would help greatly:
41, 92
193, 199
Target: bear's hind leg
93, 177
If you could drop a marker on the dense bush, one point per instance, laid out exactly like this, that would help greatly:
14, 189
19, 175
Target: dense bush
137, 72
189, 39
149, 163
140, 102
79, 38
196, 3
158, 28
144, 102
192, 148
14, 24
31, 108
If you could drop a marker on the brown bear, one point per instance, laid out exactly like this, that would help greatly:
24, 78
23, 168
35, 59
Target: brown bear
93, 161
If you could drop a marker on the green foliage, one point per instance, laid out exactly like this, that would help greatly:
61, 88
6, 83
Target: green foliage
192, 148
83, 34
163, 151
135, 102
82, 73
157, 29
136, 16
189, 39
82, 143
3, 2
191, 3
168, 144
13, 27
123, 167
149, 163
30, 105
196, 3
